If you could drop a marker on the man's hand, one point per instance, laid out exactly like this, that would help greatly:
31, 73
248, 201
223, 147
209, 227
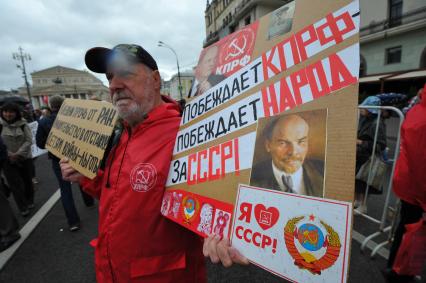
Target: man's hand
221, 250
69, 173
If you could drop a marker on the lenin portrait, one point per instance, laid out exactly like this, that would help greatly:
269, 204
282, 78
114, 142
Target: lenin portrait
290, 153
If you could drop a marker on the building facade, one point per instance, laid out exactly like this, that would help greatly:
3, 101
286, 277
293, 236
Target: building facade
223, 17
66, 82
393, 46
392, 38
171, 87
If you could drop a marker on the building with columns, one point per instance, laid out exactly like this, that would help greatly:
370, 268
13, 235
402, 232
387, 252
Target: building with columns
67, 82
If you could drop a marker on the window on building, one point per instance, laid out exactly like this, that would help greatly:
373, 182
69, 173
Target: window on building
362, 66
247, 20
393, 55
209, 19
395, 12
423, 59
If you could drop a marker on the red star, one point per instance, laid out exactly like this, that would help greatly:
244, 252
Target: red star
311, 217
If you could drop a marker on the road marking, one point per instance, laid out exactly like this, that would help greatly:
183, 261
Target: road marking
29, 227
371, 244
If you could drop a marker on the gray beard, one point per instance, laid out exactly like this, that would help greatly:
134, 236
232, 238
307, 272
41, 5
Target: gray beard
133, 116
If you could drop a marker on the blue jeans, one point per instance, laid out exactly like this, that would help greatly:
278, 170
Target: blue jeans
66, 195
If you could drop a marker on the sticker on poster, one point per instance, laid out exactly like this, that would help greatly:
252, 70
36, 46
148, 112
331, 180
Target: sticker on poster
221, 223
236, 50
292, 146
300, 238
281, 20
171, 204
191, 207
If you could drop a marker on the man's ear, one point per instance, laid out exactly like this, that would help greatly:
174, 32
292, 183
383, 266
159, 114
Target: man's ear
267, 145
157, 79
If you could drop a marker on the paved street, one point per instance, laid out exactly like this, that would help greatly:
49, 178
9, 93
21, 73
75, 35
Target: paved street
50, 253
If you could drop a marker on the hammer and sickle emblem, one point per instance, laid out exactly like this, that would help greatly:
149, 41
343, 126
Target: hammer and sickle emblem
142, 176
238, 49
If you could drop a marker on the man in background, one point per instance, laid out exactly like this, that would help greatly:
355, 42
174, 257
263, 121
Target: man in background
205, 76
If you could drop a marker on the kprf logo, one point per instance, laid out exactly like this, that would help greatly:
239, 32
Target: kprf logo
143, 177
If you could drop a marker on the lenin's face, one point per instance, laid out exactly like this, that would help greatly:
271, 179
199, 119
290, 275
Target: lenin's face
288, 145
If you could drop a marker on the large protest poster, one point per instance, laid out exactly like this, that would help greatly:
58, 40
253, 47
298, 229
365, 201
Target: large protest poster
81, 133
306, 62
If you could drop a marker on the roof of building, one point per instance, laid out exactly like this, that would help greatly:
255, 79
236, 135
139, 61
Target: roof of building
56, 70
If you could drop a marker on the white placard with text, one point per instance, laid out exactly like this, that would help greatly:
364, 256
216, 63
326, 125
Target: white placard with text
300, 238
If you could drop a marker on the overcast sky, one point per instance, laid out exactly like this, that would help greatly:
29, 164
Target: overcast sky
59, 32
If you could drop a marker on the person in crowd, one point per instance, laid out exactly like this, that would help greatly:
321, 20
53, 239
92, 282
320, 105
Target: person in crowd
288, 169
45, 112
205, 76
27, 113
67, 199
413, 101
37, 114
135, 242
409, 179
18, 167
9, 227
364, 145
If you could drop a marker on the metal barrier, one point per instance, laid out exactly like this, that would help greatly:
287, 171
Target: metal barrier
382, 221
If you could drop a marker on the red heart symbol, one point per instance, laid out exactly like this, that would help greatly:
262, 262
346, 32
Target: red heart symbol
266, 218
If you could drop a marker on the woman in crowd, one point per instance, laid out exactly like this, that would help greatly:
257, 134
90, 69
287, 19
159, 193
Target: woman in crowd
364, 145
17, 169
9, 227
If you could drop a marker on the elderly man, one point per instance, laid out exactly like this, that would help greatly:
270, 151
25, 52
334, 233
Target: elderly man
205, 77
288, 170
135, 242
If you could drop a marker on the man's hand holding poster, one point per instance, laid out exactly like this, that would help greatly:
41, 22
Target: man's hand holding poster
301, 82
81, 133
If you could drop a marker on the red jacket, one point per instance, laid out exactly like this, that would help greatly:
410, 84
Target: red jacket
135, 242
409, 182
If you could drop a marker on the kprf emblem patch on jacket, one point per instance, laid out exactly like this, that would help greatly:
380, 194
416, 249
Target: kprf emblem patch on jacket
143, 177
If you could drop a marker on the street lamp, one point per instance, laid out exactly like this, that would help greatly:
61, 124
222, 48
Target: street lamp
162, 44
22, 57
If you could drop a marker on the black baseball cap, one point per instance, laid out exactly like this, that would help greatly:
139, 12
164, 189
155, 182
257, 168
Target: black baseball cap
98, 58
